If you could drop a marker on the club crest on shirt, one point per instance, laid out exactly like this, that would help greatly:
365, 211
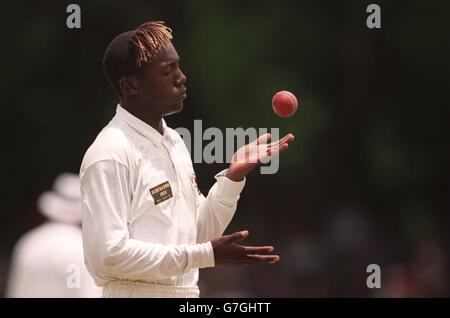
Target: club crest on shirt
161, 192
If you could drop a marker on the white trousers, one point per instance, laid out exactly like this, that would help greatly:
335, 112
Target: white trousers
130, 289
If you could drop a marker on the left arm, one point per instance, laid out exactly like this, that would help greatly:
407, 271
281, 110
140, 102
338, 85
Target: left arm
215, 212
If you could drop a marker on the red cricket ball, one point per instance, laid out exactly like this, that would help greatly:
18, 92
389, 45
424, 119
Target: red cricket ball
284, 104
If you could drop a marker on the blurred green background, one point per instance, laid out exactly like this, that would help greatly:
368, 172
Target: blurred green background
366, 180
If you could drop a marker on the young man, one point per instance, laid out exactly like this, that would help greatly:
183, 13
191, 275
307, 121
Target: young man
146, 227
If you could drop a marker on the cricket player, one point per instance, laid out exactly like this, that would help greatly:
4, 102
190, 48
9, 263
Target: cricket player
147, 229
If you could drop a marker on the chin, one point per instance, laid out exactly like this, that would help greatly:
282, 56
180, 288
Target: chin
175, 109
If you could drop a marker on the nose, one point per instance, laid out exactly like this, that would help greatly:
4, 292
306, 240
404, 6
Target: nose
182, 79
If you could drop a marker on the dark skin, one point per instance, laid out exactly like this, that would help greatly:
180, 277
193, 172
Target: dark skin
161, 91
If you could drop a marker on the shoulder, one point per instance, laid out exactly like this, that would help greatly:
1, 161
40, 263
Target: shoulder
176, 137
112, 143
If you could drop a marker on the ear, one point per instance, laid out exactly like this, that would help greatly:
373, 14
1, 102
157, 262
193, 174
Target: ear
129, 85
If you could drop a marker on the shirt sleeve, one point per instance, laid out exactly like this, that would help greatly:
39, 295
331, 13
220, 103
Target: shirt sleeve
215, 212
109, 251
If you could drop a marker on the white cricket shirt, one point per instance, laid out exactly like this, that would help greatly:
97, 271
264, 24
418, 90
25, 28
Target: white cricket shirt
143, 217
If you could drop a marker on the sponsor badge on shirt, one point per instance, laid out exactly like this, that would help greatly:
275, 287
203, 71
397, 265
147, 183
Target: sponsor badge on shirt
161, 192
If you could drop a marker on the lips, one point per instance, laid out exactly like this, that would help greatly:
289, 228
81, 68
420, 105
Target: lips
182, 94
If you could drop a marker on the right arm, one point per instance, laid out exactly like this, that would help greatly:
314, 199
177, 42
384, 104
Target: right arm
109, 251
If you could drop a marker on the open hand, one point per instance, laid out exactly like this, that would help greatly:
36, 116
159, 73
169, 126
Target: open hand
228, 253
248, 157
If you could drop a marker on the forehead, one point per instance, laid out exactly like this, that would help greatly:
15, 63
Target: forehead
166, 55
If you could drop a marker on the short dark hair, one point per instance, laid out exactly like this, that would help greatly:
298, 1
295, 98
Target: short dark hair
128, 51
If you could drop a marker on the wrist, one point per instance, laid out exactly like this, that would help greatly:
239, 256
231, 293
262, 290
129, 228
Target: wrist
234, 176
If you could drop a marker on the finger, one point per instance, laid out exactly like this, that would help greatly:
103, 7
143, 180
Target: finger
264, 139
255, 259
286, 139
236, 237
279, 149
258, 249
283, 148
277, 146
276, 150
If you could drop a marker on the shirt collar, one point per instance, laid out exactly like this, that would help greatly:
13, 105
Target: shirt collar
141, 127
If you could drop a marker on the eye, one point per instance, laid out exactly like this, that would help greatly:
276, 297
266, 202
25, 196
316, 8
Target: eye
170, 68
167, 70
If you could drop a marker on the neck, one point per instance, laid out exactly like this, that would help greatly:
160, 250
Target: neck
141, 112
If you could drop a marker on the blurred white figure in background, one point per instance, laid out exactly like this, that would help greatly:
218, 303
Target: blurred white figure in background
48, 261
